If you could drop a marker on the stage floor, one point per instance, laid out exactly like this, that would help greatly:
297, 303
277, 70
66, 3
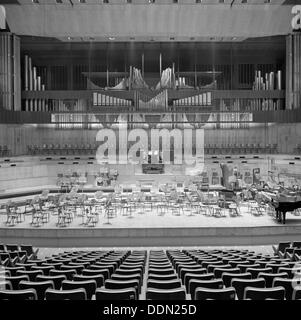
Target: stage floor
153, 229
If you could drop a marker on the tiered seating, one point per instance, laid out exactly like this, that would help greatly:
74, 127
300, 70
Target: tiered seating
171, 275
77, 275
62, 150
232, 149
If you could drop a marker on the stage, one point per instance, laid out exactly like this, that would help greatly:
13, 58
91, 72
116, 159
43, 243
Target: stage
151, 228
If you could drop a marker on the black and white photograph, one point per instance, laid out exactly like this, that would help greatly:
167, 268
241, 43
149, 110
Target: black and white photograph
150, 155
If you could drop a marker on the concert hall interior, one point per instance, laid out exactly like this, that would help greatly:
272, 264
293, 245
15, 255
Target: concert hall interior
154, 134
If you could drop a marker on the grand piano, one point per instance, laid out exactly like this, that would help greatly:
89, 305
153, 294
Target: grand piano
284, 204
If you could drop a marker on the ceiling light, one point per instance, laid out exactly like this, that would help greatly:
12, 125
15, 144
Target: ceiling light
111, 38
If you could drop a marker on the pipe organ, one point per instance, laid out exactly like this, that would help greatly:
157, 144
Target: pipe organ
106, 100
267, 81
33, 82
293, 71
203, 99
10, 83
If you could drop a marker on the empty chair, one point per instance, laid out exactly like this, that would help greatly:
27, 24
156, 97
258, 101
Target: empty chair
215, 294
32, 274
115, 284
228, 277
99, 279
211, 268
243, 267
161, 271
68, 273
288, 284
40, 287
255, 271
13, 270
275, 266
171, 294
89, 286
163, 284
192, 276
76, 294
103, 272
57, 280
241, 284
162, 277
291, 272
115, 294
211, 284
269, 277
252, 293
194, 271
135, 276
218, 272
77, 268
28, 294
15, 280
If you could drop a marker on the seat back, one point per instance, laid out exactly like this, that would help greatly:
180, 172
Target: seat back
210, 284
115, 294
171, 294
277, 293
288, 284
99, 279
227, 277
57, 280
269, 277
89, 286
215, 294
40, 287
76, 294
241, 284
163, 284
29, 294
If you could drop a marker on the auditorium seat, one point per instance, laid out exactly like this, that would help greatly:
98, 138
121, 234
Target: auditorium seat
32, 274
116, 294
241, 284
228, 277
171, 294
76, 294
208, 284
215, 294
163, 284
288, 284
277, 293
89, 286
57, 280
39, 287
28, 294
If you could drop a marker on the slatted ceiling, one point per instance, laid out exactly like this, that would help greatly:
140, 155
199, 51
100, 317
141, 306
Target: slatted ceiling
195, 20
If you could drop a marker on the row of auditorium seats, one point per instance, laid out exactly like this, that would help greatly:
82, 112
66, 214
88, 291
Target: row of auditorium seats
228, 149
171, 275
66, 149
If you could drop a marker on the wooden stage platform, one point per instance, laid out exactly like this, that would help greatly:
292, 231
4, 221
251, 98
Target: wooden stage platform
152, 229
